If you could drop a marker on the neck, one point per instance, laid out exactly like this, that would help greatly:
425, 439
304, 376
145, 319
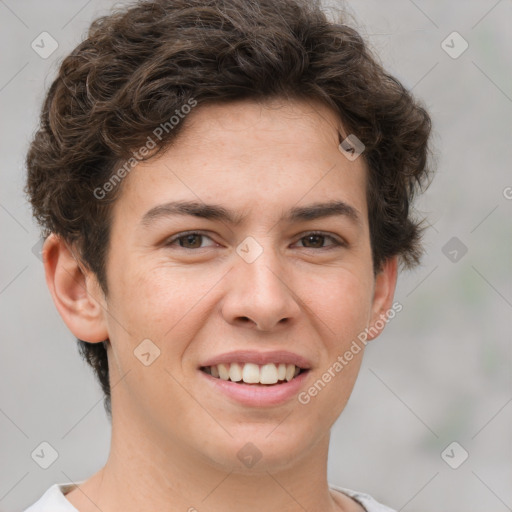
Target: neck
145, 472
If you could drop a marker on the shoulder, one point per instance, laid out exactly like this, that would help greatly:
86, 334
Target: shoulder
53, 500
366, 501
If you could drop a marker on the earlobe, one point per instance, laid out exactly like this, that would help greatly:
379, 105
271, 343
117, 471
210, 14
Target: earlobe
384, 291
75, 291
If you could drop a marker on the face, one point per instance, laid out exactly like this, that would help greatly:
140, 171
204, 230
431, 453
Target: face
265, 272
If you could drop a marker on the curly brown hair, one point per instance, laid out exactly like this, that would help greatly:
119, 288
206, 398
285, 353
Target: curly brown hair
142, 63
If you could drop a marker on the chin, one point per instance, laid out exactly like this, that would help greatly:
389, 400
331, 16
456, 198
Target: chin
259, 450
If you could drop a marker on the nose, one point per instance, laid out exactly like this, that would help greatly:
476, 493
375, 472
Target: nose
260, 294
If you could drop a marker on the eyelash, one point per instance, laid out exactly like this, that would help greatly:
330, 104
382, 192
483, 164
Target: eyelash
336, 242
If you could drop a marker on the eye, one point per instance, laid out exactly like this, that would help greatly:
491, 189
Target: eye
190, 240
316, 239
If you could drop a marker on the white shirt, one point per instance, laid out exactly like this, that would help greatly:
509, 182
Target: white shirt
53, 500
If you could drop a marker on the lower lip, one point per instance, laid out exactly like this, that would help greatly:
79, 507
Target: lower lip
258, 395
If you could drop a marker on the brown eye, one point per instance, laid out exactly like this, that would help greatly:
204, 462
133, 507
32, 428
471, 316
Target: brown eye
190, 240
316, 241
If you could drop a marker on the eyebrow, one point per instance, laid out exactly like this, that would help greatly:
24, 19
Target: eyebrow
220, 213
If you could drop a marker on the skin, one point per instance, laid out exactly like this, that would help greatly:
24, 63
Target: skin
175, 440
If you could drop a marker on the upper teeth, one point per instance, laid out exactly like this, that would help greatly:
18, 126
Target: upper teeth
251, 373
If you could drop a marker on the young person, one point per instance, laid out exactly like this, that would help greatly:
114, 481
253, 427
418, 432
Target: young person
225, 190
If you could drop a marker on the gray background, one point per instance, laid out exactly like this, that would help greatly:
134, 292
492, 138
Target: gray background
442, 370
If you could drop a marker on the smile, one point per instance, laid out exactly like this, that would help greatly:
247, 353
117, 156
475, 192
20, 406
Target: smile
250, 373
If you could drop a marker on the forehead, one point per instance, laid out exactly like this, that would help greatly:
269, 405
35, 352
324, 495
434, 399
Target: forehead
251, 123
251, 154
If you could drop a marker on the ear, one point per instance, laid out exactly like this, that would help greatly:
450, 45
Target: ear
384, 291
75, 291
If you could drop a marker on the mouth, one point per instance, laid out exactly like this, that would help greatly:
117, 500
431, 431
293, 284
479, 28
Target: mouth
252, 374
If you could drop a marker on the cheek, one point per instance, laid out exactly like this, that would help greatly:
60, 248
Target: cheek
342, 311
155, 305
342, 304
162, 303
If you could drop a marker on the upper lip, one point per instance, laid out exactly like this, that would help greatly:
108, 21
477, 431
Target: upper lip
259, 358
